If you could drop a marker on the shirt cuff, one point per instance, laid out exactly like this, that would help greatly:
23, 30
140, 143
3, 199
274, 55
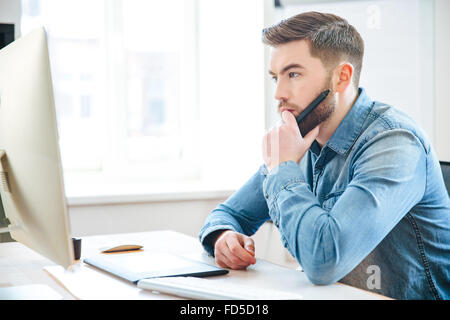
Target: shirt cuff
279, 178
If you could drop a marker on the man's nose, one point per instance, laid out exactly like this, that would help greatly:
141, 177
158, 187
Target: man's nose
282, 92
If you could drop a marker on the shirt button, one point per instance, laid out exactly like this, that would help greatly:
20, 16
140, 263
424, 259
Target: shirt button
266, 196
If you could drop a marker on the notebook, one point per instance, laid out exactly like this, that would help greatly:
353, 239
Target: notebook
135, 266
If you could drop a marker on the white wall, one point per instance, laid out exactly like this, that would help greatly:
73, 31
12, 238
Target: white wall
183, 216
442, 78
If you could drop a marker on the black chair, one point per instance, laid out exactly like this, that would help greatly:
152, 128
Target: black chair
445, 167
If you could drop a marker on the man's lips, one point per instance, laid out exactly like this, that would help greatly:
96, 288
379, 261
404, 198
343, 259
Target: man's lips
288, 109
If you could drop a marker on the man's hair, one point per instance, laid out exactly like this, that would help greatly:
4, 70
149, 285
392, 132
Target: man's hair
331, 38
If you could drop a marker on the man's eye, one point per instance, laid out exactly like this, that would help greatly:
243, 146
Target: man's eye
293, 74
274, 79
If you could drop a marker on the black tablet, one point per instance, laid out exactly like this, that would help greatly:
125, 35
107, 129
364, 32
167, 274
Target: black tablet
135, 266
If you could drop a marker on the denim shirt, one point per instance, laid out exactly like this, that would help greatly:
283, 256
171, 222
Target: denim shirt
369, 209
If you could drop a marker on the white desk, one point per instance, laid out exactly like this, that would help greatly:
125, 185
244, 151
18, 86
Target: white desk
20, 265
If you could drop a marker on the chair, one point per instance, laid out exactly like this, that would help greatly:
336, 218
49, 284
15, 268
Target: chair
445, 167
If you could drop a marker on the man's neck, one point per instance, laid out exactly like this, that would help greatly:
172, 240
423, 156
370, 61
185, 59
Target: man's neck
344, 104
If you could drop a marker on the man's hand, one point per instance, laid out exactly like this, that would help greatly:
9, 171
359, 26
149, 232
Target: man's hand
286, 143
234, 250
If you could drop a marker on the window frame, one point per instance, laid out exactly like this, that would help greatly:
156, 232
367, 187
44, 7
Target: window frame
116, 163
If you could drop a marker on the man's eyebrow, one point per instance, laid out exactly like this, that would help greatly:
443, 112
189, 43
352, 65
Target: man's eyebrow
286, 68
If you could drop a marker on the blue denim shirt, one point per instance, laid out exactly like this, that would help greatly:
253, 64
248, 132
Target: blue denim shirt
369, 209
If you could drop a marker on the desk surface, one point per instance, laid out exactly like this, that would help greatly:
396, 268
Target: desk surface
22, 266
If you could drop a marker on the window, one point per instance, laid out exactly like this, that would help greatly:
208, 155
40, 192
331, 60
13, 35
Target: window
78, 64
120, 70
155, 91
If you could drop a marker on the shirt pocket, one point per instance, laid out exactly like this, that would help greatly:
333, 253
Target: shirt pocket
330, 200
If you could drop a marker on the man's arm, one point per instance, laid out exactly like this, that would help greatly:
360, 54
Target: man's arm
244, 212
389, 174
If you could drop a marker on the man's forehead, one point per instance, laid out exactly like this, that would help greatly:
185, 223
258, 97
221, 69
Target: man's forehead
294, 52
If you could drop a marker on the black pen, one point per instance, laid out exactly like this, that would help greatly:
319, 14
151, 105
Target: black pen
312, 106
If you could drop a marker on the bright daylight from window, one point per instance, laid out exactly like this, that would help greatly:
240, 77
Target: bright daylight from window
145, 96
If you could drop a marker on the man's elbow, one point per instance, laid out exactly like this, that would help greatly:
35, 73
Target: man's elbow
322, 257
321, 279
323, 272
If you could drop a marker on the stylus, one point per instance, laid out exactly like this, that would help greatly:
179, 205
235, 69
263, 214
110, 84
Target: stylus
312, 106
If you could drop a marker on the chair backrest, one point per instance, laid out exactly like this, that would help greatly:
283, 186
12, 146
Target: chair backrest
445, 167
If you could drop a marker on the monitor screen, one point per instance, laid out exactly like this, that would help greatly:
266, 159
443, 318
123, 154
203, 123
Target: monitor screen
6, 34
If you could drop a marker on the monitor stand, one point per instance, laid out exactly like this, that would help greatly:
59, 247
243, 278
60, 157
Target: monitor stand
29, 292
3, 174
4, 185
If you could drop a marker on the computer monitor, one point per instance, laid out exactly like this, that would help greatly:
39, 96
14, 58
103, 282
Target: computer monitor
31, 178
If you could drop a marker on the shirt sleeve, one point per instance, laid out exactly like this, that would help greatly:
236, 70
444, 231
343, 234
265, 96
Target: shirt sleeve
387, 180
244, 211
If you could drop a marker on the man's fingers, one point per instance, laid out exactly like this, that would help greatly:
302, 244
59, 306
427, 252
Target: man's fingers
311, 136
234, 261
237, 246
238, 255
266, 147
222, 254
249, 245
221, 260
235, 251
289, 119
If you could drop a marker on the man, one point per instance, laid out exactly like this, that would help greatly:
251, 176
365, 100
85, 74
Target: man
356, 191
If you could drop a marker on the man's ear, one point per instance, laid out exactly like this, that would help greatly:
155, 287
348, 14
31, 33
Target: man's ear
342, 76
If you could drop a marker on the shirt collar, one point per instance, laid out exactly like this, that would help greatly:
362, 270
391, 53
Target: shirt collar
350, 127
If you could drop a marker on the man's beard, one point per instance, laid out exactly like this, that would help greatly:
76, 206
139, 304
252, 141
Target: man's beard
320, 114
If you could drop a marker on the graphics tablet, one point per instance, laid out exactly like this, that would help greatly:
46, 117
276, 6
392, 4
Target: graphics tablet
135, 266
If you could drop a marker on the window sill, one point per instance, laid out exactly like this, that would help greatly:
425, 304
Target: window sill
85, 190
